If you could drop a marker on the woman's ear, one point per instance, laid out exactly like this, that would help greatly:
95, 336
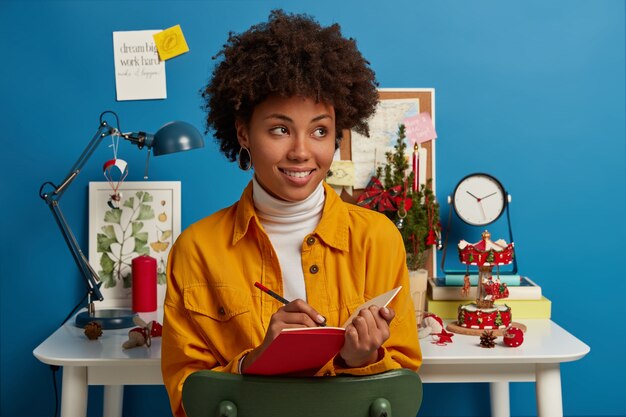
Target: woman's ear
242, 133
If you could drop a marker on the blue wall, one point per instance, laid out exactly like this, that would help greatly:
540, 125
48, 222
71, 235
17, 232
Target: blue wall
532, 92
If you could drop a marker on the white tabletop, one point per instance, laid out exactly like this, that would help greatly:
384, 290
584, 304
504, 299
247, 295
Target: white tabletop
68, 346
544, 342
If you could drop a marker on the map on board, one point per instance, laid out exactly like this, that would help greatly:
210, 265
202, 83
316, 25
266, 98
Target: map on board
367, 152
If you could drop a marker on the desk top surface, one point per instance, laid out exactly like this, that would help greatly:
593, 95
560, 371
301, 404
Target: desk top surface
544, 342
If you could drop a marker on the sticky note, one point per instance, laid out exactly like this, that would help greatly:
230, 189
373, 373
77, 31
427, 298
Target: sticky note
170, 43
341, 173
419, 128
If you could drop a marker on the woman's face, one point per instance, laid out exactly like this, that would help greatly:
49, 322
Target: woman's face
292, 143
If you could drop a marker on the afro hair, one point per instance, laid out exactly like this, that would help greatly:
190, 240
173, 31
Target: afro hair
290, 55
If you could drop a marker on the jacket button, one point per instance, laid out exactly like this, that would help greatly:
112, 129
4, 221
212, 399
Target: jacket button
314, 269
221, 311
310, 240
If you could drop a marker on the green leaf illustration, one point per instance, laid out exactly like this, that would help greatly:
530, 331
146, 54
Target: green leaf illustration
145, 212
147, 198
141, 237
127, 280
107, 263
104, 242
113, 216
142, 248
109, 231
161, 278
137, 226
107, 279
130, 203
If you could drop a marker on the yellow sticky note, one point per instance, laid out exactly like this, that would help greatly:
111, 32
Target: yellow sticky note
341, 173
170, 43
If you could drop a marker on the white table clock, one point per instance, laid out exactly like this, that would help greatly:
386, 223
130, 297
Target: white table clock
479, 199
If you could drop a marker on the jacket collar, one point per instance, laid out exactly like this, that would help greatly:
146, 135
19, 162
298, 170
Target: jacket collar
332, 229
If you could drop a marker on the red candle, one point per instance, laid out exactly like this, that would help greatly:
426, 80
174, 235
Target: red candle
416, 168
144, 269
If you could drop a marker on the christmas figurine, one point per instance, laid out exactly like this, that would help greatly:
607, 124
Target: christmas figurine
143, 334
513, 337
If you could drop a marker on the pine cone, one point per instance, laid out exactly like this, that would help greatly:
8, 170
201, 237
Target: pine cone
487, 339
93, 330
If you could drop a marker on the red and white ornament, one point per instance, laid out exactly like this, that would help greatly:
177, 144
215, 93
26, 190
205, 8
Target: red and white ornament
513, 337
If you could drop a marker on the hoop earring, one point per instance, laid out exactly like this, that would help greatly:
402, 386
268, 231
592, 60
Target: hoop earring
244, 161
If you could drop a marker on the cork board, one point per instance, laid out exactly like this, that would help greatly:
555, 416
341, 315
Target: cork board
426, 97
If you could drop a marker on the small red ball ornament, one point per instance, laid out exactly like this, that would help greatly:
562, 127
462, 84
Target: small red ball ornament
513, 337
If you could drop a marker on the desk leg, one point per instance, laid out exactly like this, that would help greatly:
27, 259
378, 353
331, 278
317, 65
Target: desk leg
74, 392
113, 401
548, 389
499, 396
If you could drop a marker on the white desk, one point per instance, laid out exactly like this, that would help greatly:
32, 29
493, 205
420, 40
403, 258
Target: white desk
104, 362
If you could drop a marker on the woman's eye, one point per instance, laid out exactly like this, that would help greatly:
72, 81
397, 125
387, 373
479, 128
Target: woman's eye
279, 130
320, 132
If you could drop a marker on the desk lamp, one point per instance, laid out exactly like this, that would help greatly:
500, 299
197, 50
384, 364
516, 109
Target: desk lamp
172, 137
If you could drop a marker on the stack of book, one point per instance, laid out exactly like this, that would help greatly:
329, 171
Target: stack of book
444, 296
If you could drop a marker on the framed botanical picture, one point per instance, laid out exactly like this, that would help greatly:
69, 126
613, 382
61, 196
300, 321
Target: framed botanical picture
142, 219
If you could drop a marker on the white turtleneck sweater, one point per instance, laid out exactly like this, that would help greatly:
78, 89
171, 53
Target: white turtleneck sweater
287, 224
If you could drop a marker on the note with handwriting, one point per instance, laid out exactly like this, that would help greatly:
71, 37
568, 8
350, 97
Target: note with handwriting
139, 73
170, 42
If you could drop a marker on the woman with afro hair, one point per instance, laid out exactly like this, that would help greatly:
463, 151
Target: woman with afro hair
279, 98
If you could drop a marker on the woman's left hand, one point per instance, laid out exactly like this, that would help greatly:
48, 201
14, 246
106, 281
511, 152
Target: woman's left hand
365, 335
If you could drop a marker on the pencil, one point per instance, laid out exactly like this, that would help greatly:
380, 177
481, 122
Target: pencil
270, 292
267, 291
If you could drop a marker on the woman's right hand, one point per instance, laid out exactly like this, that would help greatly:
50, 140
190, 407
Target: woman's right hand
293, 315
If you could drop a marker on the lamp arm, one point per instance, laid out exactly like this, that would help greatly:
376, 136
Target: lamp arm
91, 277
52, 200
103, 131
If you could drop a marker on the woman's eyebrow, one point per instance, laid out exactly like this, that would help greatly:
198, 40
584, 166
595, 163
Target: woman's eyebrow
289, 119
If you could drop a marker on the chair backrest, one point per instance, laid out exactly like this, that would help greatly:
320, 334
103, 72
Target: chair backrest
396, 393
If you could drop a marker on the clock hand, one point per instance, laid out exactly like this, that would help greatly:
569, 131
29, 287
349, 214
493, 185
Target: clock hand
482, 208
487, 196
477, 199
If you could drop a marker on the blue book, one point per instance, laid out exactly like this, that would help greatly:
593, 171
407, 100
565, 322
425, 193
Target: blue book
438, 290
457, 279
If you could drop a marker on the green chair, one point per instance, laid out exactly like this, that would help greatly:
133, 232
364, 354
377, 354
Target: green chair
396, 393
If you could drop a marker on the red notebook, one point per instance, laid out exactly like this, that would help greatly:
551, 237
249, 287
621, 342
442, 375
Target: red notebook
304, 351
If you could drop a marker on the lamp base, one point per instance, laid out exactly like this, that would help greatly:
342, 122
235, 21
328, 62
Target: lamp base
107, 318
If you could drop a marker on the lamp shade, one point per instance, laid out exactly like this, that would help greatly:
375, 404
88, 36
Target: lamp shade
176, 137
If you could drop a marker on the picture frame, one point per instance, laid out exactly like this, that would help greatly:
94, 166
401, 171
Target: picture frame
145, 221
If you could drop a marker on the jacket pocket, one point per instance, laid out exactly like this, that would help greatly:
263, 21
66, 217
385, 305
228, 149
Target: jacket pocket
222, 316
219, 302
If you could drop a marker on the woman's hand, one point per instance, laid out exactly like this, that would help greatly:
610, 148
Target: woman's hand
365, 335
295, 314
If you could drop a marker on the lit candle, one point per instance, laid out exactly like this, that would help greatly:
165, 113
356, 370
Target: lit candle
416, 167
144, 270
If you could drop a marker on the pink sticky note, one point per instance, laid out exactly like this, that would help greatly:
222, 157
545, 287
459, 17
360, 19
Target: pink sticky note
419, 128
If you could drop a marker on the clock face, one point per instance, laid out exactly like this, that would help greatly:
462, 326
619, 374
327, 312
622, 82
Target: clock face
479, 199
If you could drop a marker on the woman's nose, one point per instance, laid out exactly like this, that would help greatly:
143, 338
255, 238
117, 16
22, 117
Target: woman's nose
300, 149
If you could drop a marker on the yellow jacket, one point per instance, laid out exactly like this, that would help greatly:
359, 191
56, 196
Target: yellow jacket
214, 315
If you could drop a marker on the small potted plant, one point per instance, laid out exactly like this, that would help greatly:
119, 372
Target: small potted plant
414, 210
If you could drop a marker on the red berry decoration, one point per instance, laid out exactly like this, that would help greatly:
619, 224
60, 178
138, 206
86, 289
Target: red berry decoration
157, 329
513, 337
